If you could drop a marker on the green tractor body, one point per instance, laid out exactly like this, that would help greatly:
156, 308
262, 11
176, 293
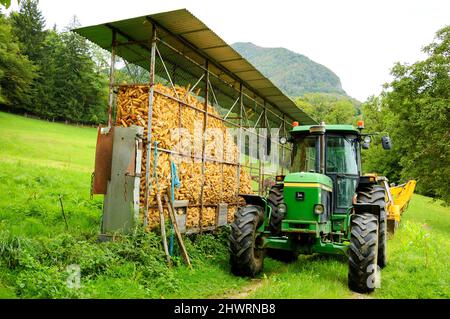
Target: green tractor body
324, 206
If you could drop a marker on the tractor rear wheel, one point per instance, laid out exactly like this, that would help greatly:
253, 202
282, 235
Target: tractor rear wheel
246, 257
362, 253
376, 195
275, 198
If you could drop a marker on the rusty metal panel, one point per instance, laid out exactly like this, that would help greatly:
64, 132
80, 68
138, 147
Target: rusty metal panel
103, 159
121, 203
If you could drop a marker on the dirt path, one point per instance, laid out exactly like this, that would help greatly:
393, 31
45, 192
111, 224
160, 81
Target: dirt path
242, 292
255, 284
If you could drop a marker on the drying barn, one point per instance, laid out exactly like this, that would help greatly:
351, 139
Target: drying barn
192, 120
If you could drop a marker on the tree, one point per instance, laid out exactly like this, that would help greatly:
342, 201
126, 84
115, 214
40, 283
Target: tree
330, 108
28, 25
79, 89
420, 108
376, 159
7, 3
69, 85
16, 71
415, 110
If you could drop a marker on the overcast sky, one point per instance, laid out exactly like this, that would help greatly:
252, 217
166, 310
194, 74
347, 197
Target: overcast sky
358, 40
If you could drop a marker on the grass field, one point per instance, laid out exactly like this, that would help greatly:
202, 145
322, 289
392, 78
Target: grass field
41, 161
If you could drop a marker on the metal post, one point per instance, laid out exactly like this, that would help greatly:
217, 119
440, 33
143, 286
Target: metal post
239, 141
149, 121
322, 154
111, 77
262, 154
282, 146
205, 123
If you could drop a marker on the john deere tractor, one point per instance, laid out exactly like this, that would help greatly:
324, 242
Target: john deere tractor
324, 205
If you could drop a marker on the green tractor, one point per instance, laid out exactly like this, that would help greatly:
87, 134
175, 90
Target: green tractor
323, 206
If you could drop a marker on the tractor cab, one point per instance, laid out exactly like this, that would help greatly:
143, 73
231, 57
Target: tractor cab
331, 150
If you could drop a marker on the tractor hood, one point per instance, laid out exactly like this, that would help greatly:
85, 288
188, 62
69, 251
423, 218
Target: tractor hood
303, 192
323, 181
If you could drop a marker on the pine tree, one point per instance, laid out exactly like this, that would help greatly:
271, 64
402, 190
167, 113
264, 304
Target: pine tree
16, 71
28, 26
83, 97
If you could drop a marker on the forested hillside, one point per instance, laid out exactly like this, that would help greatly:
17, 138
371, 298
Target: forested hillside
330, 108
293, 73
54, 75
314, 87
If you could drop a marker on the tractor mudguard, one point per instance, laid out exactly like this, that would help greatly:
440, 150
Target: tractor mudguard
367, 208
254, 200
367, 181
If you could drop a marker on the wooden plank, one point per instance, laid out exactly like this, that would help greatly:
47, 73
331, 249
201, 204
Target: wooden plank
177, 232
163, 228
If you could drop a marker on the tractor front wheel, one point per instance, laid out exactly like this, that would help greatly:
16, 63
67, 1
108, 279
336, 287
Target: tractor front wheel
376, 194
363, 253
246, 254
275, 198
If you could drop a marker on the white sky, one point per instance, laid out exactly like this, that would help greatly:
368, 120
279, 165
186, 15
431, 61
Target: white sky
358, 40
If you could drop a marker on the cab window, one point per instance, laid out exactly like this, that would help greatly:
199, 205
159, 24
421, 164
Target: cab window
341, 156
304, 155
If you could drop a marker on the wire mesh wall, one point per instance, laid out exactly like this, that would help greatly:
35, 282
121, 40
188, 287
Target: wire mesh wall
207, 126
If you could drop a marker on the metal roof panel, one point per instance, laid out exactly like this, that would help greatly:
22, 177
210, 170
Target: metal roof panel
183, 24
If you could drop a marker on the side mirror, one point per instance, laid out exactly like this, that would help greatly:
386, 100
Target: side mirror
268, 144
366, 143
386, 142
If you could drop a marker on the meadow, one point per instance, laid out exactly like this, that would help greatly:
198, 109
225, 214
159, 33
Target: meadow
44, 165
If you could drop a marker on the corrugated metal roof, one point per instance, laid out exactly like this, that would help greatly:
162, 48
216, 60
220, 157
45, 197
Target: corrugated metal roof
183, 31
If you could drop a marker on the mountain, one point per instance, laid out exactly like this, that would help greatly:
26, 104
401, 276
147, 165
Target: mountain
293, 73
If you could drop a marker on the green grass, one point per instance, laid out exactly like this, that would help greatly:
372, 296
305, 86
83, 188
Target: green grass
39, 161
419, 254
418, 263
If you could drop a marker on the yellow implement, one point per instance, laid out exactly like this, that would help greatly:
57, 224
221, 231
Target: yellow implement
399, 197
397, 200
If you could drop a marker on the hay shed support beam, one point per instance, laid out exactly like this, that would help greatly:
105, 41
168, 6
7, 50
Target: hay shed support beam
149, 122
205, 125
111, 76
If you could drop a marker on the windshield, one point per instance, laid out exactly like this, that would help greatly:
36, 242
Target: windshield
304, 155
341, 155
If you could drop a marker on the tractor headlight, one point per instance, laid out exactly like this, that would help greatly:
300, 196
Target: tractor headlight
318, 209
282, 208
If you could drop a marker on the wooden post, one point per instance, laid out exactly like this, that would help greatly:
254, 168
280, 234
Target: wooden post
163, 228
205, 123
111, 77
149, 123
177, 231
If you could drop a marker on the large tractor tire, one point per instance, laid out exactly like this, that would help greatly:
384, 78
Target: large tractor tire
275, 198
286, 256
362, 253
246, 257
376, 195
